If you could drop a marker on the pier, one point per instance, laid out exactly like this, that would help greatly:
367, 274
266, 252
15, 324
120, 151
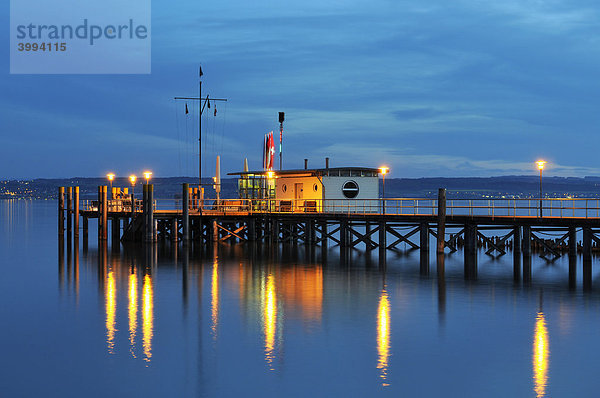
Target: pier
383, 225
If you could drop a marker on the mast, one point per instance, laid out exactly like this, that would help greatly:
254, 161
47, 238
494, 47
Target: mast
202, 103
200, 128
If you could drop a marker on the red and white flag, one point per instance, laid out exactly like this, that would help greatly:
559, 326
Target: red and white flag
269, 152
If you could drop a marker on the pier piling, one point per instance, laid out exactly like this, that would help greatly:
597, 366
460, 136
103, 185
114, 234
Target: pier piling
572, 258
185, 203
526, 247
76, 212
441, 232
69, 213
587, 258
61, 211
424, 247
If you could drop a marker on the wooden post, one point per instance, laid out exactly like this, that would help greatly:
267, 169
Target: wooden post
517, 253
572, 257
441, 230
149, 212
69, 213
115, 230
185, 202
105, 212
587, 258
382, 242
85, 231
100, 209
174, 230
526, 246
132, 208
76, 212
61, 211
470, 251
324, 237
309, 231
274, 230
343, 233
424, 247
215, 231
251, 226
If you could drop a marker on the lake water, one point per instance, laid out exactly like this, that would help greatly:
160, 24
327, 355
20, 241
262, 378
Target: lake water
233, 320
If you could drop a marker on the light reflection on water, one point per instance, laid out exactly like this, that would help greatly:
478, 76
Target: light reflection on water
270, 319
111, 311
289, 322
541, 354
214, 298
383, 336
147, 316
133, 309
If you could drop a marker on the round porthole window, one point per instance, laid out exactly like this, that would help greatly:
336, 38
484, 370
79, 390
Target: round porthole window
350, 189
315, 187
284, 187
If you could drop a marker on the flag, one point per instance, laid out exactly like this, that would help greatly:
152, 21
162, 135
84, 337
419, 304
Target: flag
269, 151
186, 109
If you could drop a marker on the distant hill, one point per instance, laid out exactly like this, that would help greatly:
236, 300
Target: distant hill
465, 188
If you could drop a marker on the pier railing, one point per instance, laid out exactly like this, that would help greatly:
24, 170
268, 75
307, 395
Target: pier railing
559, 207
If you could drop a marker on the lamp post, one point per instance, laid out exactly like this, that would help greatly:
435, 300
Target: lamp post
132, 179
540, 165
111, 177
383, 170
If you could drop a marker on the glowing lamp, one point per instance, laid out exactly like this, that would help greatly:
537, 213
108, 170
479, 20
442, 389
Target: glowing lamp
384, 170
540, 164
132, 178
270, 174
110, 176
147, 175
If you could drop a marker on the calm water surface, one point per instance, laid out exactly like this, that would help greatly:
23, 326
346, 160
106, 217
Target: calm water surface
230, 320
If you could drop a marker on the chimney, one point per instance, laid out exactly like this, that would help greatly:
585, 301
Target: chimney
326, 163
305, 164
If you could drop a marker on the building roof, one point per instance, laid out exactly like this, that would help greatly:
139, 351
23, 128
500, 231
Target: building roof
312, 172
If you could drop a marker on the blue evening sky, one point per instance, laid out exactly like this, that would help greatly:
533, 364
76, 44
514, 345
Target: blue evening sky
430, 88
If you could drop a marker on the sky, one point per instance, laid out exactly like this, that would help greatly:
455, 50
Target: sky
430, 88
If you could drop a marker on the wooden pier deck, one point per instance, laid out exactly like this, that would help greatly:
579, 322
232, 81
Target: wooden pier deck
384, 224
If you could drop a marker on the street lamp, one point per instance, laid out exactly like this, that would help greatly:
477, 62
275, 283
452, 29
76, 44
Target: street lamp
132, 179
383, 170
147, 175
540, 165
111, 177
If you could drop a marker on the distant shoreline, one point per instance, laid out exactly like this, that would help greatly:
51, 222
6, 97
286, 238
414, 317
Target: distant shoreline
458, 188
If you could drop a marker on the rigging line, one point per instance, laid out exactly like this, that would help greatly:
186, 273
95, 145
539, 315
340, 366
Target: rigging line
186, 146
214, 121
223, 127
178, 138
